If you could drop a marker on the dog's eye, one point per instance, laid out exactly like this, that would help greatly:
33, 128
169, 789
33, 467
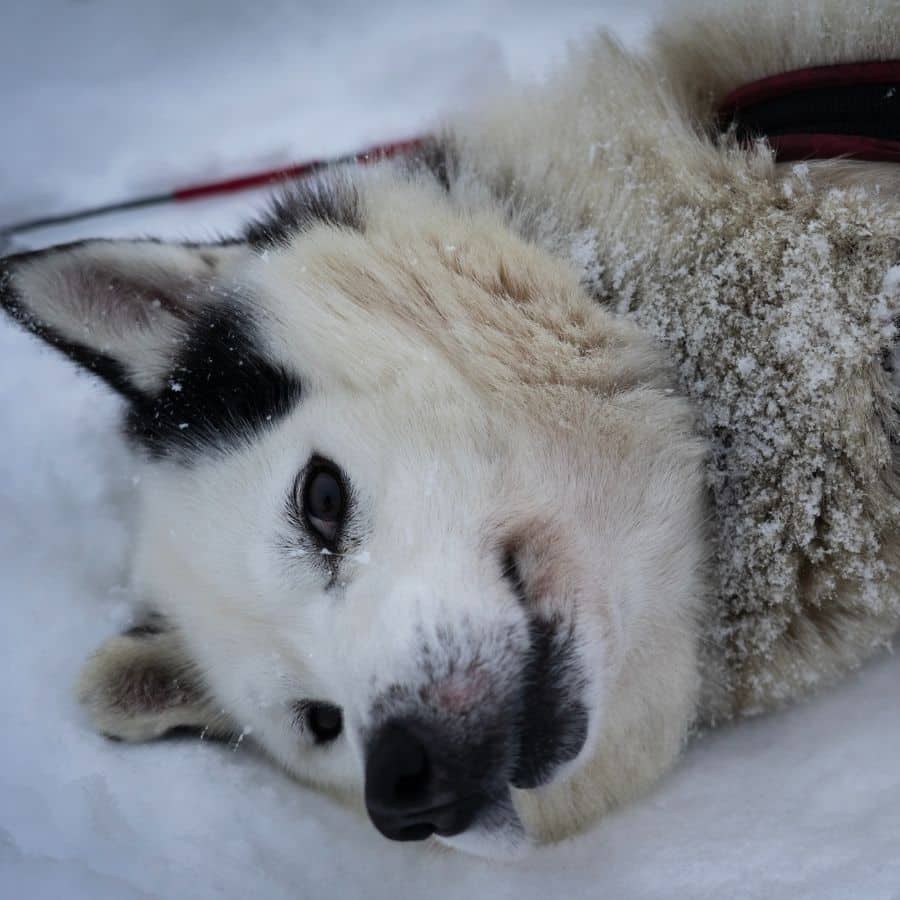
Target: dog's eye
323, 501
325, 721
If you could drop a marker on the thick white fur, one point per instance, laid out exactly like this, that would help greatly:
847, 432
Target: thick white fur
463, 435
457, 367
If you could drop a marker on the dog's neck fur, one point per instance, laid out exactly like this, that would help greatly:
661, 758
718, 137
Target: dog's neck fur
779, 334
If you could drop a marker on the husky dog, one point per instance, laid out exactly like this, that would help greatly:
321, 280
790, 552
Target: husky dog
474, 482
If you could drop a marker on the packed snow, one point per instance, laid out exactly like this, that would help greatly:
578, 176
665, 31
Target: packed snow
101, 100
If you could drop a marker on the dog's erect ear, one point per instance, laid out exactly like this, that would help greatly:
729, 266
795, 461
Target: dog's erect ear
141, 685
118, 308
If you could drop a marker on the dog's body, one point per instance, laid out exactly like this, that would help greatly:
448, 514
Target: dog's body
610, 167
481, 478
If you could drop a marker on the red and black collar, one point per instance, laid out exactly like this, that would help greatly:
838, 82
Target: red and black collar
850, 110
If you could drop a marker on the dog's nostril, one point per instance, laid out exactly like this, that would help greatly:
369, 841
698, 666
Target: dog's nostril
406, 786
412, 773
397, 771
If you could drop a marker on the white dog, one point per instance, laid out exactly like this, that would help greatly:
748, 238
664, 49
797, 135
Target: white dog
472, 482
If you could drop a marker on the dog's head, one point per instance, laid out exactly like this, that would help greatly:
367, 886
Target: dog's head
417, 514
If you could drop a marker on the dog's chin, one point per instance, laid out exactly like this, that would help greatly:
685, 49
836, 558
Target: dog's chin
498, 834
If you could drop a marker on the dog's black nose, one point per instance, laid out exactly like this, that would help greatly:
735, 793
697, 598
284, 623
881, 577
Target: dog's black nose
412, 790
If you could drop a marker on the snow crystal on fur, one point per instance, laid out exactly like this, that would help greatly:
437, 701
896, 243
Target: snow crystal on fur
771, 291
779, 337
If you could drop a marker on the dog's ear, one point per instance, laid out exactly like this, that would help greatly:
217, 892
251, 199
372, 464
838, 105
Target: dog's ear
141, 685
118, 308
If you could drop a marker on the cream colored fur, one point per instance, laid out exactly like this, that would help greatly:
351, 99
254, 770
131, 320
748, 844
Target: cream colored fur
525, 362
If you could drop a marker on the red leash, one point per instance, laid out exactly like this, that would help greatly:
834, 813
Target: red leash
850, 110
214, 188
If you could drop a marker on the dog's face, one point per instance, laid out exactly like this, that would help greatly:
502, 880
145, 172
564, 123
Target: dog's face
417, 515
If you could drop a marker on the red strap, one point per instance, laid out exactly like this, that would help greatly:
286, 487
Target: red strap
739, 105
804, 79
259, 179
795, 147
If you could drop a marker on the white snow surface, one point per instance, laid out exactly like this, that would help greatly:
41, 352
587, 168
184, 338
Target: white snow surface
101, 99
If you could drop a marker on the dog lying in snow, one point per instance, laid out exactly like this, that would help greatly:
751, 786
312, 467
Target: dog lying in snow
473, 482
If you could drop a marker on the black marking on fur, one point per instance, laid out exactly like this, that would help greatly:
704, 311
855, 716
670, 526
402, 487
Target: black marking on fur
329, 198
554, 721
100, 364
554, 726
513, 577
220, 392
437, 157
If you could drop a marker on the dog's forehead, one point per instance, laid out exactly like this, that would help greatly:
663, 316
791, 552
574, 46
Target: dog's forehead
453, 301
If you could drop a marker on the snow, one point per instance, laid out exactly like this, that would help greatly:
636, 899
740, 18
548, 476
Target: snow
112, 98
892, 280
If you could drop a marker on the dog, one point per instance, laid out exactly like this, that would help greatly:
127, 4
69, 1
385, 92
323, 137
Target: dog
473, 483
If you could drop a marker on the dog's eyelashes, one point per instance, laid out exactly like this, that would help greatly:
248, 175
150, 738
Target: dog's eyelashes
323, 500
324, 721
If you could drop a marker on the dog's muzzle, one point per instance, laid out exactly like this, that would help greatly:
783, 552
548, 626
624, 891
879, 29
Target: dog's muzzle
439, 761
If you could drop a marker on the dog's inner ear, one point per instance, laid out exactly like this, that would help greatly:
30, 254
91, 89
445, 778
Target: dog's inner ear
141, 685
118, 308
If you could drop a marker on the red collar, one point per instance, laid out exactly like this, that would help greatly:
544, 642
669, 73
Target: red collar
850, 110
